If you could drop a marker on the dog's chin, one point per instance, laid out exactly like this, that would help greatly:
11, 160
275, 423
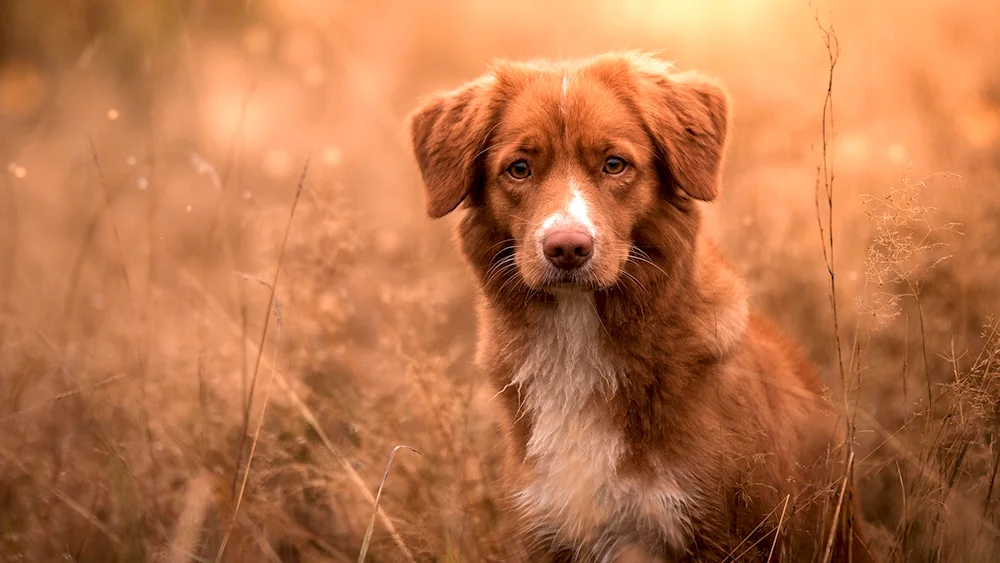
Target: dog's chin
546, 279
568, 281
568, 288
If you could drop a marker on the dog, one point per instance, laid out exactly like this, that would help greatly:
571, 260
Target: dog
649, 414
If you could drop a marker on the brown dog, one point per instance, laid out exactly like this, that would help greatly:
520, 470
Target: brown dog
651, 416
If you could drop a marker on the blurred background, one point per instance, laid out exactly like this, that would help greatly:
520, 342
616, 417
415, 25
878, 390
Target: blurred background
152, 153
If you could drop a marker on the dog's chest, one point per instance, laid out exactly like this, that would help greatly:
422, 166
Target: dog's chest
573, 483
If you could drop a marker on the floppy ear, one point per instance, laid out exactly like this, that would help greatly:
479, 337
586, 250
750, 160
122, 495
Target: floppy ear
688, 116
449, 132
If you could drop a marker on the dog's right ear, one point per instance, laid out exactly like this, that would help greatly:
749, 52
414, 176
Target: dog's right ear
449, 133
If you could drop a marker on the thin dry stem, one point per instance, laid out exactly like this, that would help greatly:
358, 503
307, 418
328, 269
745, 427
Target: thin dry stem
65, 499
271, 304
64, 395
352, 474
777, 531
189, 522
139, 353
847, 478
378, 498
241, 489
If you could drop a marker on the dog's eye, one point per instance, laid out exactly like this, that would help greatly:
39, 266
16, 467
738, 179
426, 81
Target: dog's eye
519, 170
614, 165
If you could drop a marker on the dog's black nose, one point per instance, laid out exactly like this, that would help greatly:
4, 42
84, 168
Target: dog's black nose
568, 249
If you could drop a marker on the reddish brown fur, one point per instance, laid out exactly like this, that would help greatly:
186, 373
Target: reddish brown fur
712, 418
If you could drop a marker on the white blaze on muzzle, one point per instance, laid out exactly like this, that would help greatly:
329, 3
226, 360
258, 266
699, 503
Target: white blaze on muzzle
574, 216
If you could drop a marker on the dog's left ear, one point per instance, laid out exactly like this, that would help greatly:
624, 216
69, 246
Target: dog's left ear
688, 116
449, 132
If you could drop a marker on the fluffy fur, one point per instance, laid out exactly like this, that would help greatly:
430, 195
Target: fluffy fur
651, 416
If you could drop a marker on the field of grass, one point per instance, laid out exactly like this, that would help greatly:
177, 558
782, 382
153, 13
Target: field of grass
221, 306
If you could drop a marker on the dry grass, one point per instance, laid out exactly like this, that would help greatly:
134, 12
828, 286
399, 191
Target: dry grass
150, 159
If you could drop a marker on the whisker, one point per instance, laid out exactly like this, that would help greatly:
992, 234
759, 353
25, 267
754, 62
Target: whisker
507, 281
636, 281
502, 261
504, 241
491, 147
641, 256
600, 320
507, 268
519, 218
499, 264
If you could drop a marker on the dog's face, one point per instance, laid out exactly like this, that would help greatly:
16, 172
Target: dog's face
564, 161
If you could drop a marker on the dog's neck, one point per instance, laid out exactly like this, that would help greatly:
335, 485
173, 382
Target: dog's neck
566, 382
567, 333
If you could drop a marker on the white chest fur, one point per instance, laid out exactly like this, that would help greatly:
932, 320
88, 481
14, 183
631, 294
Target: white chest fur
573, 452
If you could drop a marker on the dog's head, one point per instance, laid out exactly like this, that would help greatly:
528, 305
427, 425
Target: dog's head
563, 162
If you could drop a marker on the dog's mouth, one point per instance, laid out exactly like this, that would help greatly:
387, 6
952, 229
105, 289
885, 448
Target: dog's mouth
572, 280
518, 266
541, 275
